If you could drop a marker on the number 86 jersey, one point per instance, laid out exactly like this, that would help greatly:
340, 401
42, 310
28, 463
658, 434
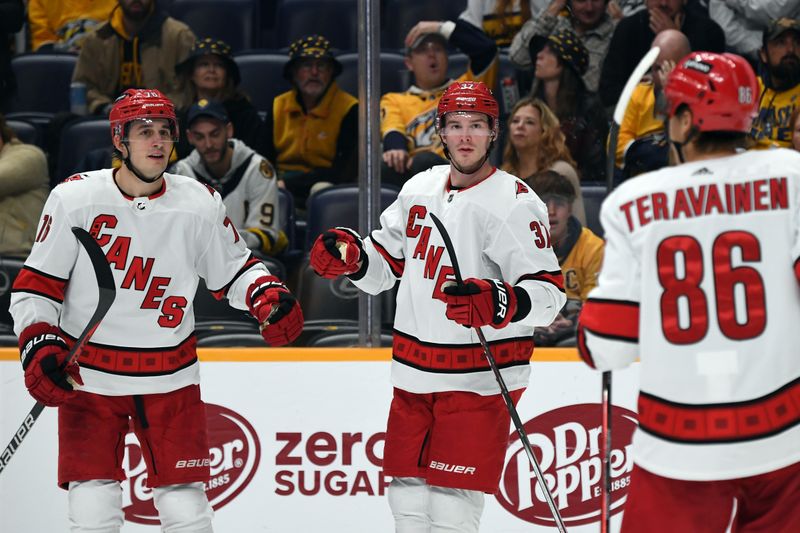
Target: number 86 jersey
700, 280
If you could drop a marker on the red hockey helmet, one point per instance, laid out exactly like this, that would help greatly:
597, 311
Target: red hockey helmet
137, 104
720, 89
468, 96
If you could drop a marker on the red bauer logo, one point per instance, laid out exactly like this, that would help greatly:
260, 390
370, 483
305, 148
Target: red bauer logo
234, 454
567, 443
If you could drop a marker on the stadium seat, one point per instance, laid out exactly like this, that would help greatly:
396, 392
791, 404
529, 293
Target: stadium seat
593, 196
343, 340
335, 19
43, 82
262, 77
233, 21
324, 300
457, 65
288, 218
338, 206
78, 138
394, 74
27, 132
399, 16
9, 268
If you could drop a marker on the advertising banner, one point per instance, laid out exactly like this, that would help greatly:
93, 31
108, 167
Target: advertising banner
296, 445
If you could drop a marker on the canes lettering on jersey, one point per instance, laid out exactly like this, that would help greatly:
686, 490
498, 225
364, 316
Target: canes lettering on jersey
430, 254
138, 273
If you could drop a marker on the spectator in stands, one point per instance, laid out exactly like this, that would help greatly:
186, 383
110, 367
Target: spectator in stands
12, 16
246, 181
642, 144
23, 191
59, 25
743, 22
138, 46
633, 35
210, 73
501, 19
579, 252
588, 19
561, 60
779, 84
410, 142
796, 129
535, 142
313, 128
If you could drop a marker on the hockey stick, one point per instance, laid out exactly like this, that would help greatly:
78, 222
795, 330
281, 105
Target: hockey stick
523, 437
107, 293
613, 136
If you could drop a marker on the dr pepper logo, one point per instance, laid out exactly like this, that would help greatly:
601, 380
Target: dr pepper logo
234, 453
567, 443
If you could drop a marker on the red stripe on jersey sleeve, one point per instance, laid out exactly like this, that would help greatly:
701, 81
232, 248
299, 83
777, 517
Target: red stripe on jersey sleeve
33, 281
614, 319
556, 278
219, 294
396, 265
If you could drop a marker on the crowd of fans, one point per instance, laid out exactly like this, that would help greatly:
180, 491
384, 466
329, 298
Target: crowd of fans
572, 59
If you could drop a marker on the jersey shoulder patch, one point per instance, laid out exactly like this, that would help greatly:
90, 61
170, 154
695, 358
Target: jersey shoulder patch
266, 169
521, 188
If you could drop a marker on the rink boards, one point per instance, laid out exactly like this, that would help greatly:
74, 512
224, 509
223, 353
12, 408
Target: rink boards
296, 445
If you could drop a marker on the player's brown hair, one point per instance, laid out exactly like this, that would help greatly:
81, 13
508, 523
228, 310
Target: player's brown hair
552, 147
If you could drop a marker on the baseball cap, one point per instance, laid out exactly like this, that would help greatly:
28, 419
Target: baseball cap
777, 27
425, 37
207, 108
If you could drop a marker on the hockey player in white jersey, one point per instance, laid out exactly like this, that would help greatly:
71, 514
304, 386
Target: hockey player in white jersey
700, 281
160, 233
246, 180
448, 426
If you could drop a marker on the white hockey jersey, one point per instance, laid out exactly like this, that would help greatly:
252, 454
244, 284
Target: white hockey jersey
499, 229
249, 191
158, 247
700, 280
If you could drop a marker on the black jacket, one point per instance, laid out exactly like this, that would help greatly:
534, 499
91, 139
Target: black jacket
12, 15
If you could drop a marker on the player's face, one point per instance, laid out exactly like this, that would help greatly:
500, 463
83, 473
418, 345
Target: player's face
210, 138
559, 210
428, 62
525, 128
210, 73
150, 143
547, 65
467, 136
312, 76
588, 13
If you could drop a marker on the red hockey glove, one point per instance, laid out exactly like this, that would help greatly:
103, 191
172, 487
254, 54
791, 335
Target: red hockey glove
43, 352
336, 252
480, 302
276, 309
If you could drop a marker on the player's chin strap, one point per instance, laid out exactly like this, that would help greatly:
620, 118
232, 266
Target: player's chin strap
135, 171
680, 144
477, 166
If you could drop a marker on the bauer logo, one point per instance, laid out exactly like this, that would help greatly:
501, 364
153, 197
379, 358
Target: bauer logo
233, 456
567, 443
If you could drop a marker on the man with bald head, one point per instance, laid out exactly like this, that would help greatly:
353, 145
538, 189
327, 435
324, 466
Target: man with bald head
641, 145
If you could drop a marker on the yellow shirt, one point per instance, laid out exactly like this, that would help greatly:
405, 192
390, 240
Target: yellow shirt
65, 21
639, 119
582, 265
305, 141
772, 128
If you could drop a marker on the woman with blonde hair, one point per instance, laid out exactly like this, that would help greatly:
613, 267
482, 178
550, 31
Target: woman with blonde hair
535, 143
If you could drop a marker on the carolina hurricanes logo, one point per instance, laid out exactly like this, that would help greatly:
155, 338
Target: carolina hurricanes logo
567, 443
521, 188
234, 452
